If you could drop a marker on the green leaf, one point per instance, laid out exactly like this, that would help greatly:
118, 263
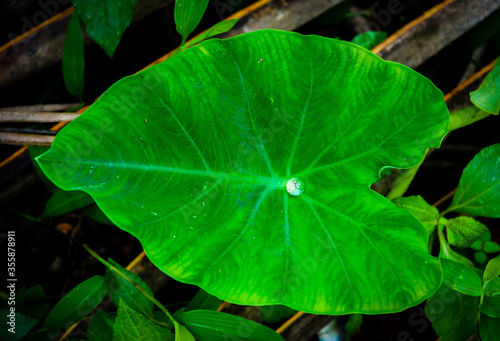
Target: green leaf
493, 286
463, 231
35, 152
77, 303
491, 306
130, 325
187, 15
461, 278
15, 325
492, 269
32, 302
452, 314
489, 328
425, 213
446, 252
203, 300
276, 313
478, 191
220, 27
62, 202
352, 325
491, 247
101, 327
73, 63
183, 334
487, 97
466, 116
95, 213
480, 257
197, 168
369, 39
121, 289
105, 20
210, 325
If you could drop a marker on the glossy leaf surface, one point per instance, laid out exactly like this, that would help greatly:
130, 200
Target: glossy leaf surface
105, 20
220, 27
425, 213
76, 304
491, 306
478, 191
73, 62
487, 97
210, 325
130, 325
195, 157
461, 278
492, 269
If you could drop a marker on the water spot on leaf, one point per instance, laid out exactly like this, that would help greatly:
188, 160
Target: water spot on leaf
295, 186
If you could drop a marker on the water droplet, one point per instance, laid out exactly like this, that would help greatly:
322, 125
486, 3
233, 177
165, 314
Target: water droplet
154, 213
295, 186
194, 217
203, 203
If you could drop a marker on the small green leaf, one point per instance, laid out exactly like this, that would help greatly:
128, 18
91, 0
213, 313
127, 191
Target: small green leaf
220, 27
446, 252
210, 325
35, 152
369, 39
461, 278
493, 286
492, 269
130, 325
491, 247
487, 97
416, 205
101, 327
478, 191
32, 302
276, 313
452, 314
15, 325
491, 306
183, 334
105, 20
73, 63
203, 300
489, 328
480, 257
121, 289
352, 325
77, 303
463, 231
187, 15
62, 202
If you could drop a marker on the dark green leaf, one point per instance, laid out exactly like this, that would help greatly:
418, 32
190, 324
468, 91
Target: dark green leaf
101, 327
478, 191
187, 15
95, 213
32, 302
491, 247
218, 28
480, 257
77, 303
276, 313
353, 325
203, 300
461, 278
121, 289
73, 63
105, 20
487, 97
463, 231
35, 152
62, 202
15, 325
492, 269
491, 306
210, 325
452, 314
416, 205
369, 39
204, 144
489, 328
130, 325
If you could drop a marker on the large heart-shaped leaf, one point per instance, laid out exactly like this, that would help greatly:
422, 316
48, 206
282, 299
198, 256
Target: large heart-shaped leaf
197, 156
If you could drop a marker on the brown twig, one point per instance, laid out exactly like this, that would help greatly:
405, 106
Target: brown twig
42, 107
26, 139
21, 116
